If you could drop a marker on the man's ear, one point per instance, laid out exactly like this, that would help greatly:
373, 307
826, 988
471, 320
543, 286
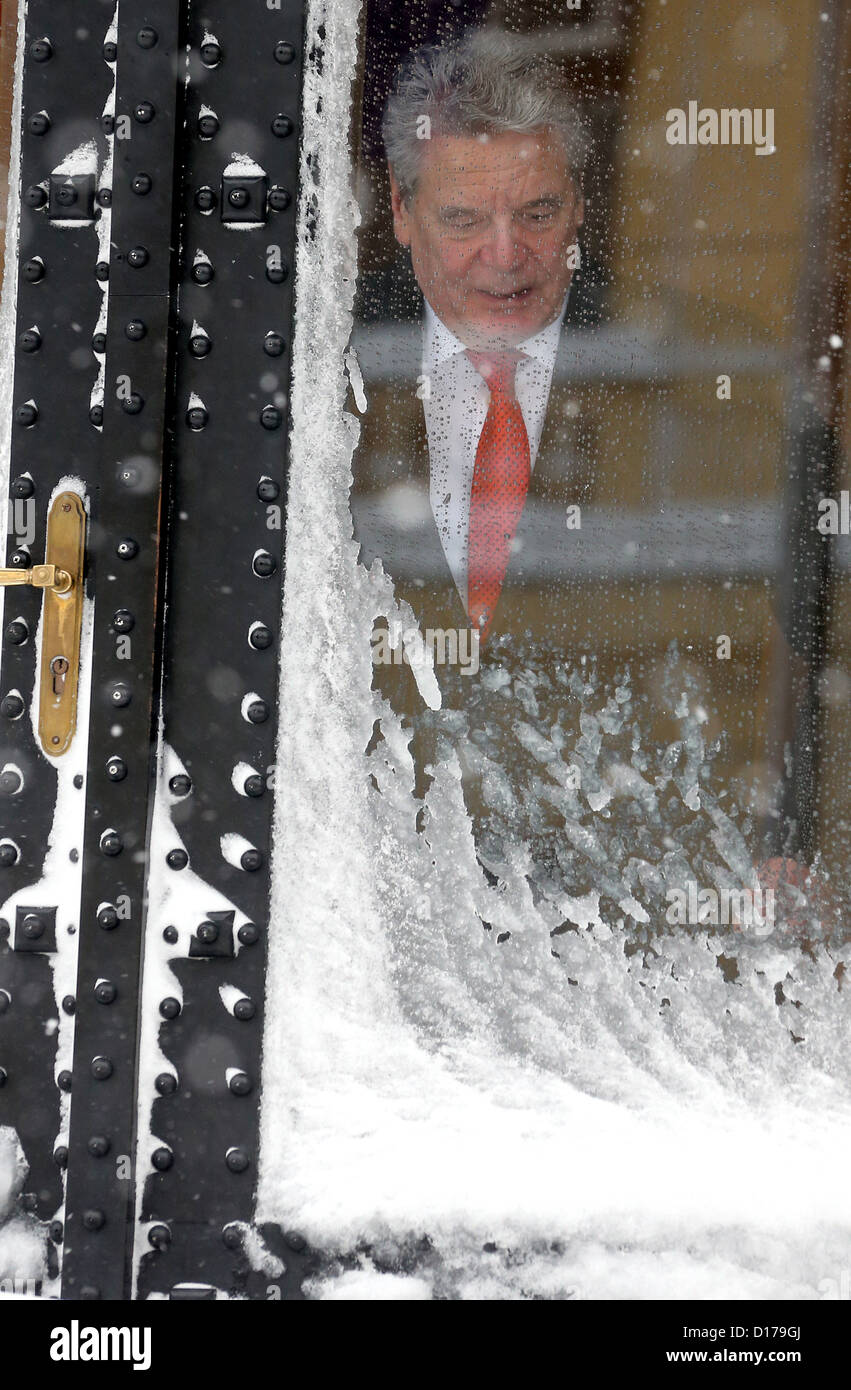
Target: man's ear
401, 215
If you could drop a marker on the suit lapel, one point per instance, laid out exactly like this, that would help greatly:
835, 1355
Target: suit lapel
412, 553
432, 593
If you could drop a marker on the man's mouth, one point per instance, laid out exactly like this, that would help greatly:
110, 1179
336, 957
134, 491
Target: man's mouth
508, 297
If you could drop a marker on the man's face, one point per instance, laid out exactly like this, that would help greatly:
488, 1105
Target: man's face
489, 228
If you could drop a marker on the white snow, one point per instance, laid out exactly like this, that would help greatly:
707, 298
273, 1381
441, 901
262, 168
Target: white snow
249, 699
22, 1242
239, 775
83, 159
243, 166
178, 899
230, 996
233, 846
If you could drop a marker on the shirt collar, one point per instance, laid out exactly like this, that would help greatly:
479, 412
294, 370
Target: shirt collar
440, 343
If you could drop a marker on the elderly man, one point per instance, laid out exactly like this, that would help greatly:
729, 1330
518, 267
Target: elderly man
484, 153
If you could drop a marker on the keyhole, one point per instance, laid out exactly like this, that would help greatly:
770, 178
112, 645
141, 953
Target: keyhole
59, 667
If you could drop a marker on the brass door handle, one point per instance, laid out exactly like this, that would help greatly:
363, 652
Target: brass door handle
40, 577
61, 578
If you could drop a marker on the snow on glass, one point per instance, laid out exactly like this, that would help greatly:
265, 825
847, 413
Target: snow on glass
594, 1113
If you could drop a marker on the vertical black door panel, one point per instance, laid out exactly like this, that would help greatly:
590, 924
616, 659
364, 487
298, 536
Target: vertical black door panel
124, 555
59, 301
221, 635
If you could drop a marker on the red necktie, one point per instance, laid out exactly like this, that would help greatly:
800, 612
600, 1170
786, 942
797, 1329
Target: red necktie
500, 483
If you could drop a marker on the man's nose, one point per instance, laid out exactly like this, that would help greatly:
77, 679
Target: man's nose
503, 248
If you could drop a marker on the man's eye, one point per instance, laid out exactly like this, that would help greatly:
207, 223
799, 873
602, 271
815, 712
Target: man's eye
541, 215
461, 220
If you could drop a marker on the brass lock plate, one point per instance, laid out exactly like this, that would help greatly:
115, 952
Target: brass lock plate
62, 622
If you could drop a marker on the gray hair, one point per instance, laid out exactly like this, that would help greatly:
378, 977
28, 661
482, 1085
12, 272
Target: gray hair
488, 82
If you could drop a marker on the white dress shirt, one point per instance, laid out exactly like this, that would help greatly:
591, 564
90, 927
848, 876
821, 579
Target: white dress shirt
455, 402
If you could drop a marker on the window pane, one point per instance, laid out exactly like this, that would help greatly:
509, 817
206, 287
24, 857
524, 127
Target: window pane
642, 494
550, 969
